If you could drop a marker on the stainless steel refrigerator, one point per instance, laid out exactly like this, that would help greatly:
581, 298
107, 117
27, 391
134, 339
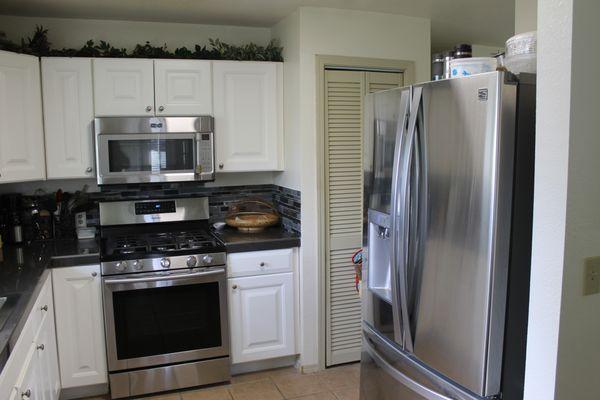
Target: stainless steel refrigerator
448, 202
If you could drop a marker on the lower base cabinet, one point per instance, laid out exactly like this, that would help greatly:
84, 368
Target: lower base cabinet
261, 305
31, 372
80, 325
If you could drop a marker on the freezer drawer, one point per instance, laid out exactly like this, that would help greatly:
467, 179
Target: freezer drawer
388, 373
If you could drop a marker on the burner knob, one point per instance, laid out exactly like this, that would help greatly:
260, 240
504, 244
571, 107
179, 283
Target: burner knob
137, 265
165, 263
191, 261
121, 265
207, 259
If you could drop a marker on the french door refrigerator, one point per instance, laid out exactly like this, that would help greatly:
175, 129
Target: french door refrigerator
448, 202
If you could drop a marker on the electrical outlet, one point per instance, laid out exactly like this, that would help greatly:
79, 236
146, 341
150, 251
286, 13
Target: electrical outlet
591, 283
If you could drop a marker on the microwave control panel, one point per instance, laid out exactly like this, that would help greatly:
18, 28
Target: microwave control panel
205, 153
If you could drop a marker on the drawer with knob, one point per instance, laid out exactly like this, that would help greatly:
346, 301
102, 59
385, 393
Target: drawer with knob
260, 262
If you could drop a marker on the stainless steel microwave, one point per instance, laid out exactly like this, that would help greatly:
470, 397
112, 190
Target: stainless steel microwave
154, 149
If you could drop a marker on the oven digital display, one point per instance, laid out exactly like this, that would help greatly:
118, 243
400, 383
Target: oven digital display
155, 207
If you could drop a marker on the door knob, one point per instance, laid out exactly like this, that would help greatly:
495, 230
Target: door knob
161, 108
40, 346
88, 169
44, 308
221, 166
94, 274
26, 394
148, 108
234, 287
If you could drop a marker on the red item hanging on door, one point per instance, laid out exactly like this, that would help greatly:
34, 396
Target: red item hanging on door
357, 261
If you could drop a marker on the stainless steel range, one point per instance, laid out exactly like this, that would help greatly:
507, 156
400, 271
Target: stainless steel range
165, 298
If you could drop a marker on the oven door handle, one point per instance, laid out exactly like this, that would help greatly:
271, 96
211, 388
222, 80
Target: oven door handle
164, 277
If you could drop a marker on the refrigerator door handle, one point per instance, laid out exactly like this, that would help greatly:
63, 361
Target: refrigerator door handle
403, 216
400, 133
400, 377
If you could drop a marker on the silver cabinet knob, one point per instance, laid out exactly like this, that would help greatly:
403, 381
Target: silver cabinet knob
165, 263
40, 347
234, 287
262, 264
221, 166
161, 108
94, 274
44, 307
148, 108
26, 394
88, 169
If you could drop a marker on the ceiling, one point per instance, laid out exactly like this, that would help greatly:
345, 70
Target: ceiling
487, 22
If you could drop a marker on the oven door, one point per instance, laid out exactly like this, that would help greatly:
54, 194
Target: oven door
168, 317
147, 157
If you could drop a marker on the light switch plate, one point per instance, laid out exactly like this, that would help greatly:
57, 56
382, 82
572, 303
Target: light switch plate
591, 283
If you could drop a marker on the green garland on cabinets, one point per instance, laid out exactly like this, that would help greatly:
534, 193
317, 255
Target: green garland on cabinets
39, 45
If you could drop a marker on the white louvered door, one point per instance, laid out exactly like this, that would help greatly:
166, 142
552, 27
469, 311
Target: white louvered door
344, 92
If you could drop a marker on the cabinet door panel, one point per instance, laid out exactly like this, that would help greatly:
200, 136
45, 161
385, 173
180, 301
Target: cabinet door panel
30, 385
123, 87
248, 120
47, 358
183, 87
79, 325
21, 131
68, 117
262, 317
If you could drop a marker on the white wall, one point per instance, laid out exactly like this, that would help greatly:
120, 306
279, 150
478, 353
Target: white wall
73, 33
323, 31
564, 326
578, 343
525, 15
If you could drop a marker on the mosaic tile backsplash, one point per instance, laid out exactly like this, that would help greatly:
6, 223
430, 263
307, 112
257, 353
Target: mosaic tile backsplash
286, 201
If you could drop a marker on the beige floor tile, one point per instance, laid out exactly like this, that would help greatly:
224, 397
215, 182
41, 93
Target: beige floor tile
259, 390
340, 377
215, 393
273, 373
169, 396
317, 396
295, 384
347, 393
250, 377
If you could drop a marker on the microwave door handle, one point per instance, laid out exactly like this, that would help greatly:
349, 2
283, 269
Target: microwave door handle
163, 277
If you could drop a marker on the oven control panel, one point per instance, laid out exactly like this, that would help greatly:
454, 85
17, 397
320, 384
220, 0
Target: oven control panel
155, 207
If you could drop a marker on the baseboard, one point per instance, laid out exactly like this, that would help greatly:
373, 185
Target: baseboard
84, 391
308, 369
254, 366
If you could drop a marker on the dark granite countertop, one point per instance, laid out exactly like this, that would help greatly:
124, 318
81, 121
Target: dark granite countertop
269, 239
23, 270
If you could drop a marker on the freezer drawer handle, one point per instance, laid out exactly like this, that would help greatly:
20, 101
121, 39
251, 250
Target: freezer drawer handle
400, 377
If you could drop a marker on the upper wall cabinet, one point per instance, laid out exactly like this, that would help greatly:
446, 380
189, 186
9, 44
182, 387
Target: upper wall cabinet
68, 117
21, 131
248, 108
183, 87
123, 87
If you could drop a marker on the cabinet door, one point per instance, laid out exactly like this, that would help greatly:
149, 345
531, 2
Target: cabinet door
183, 87
30, 385
21, 131
123, 87
79, 325
261, 317
248, 116
47, 358
68, 117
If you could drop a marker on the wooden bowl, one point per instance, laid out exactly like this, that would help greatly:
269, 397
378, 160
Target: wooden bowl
252, 221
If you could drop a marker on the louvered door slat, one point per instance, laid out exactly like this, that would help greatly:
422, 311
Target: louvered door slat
344, 91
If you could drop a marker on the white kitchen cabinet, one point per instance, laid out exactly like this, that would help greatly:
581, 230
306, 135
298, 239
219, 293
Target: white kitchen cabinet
123, 87
183, 87
261, 317
248, 109
31, 371
21, 130
79, 325
68, 117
